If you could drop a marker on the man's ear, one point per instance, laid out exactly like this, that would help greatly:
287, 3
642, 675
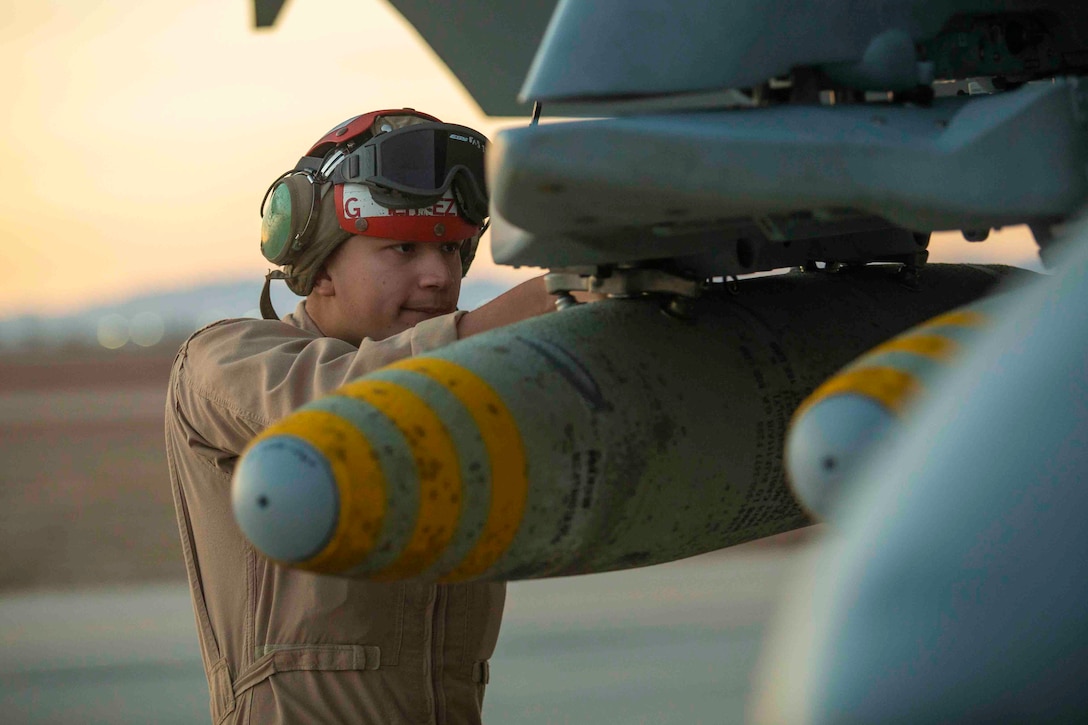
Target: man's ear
323, 284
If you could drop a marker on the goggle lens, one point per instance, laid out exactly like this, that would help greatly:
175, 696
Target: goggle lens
423, 158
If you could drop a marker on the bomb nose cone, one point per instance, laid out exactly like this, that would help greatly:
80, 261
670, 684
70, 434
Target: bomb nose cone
285, 498
825, 445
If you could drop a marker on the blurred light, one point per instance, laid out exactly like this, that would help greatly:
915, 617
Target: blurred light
113, 331
147, 329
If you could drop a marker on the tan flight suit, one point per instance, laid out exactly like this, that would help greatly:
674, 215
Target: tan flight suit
285, 646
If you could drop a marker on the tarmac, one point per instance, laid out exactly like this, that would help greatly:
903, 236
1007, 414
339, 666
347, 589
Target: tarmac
96, 624
674, 643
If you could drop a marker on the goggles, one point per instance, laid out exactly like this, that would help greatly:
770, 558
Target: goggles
414, 167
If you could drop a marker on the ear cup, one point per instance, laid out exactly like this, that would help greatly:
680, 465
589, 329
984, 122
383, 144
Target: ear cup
287, 217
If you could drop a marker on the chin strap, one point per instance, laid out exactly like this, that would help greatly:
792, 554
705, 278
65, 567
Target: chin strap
267, 311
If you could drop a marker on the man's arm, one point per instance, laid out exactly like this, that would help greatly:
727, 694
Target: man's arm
528, 299
235, 378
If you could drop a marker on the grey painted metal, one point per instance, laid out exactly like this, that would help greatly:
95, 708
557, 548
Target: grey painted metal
639, 56
269, 499
265, 12
625, 48
623, 189
488, 44
955, 591
649, 439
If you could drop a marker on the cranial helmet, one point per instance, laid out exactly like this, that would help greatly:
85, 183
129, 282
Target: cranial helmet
396, 174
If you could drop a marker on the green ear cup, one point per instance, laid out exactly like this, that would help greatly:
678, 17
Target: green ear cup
276, 228
285, 227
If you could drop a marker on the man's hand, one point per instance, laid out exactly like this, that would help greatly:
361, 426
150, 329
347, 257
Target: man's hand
588, 296
528, 299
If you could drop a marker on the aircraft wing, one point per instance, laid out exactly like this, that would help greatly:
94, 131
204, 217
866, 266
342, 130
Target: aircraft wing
488, 44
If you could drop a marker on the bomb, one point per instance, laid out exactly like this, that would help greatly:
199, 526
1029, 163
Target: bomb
605, 436
855, 411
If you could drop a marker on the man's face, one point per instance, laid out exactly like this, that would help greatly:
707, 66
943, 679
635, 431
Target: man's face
384, 286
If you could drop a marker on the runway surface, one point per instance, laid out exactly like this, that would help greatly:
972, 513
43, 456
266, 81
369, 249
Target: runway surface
674, 643
96, 624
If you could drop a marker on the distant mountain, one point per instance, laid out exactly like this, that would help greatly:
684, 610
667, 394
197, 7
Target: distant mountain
146, 319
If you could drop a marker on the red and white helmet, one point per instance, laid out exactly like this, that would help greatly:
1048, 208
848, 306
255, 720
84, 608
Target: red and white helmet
396, 174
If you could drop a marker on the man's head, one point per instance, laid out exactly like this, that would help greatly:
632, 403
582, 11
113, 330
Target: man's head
376, 287
388, 180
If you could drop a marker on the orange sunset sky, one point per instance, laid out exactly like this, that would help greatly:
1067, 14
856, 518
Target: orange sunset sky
138, 138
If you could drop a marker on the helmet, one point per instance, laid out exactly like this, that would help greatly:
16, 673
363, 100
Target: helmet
397, 174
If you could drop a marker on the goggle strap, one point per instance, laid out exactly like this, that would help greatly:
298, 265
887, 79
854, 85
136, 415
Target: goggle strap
267, 311
356, 167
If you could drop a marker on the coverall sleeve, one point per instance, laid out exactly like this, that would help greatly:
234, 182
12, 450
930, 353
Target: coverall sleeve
234, 378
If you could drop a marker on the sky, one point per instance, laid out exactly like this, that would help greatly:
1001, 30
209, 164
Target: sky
138, 138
